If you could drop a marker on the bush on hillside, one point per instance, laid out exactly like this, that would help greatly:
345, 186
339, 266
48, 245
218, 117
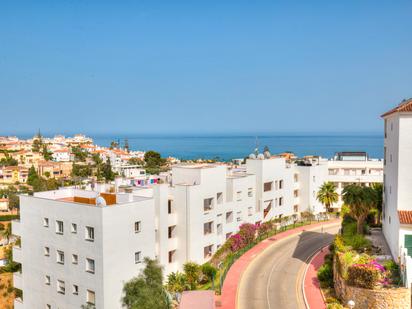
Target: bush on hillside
325, 275
363, 276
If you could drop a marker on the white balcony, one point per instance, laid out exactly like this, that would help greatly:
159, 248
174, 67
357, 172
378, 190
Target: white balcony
17, 255
172, 244
172, 219
18, 280
16, 227
18, 303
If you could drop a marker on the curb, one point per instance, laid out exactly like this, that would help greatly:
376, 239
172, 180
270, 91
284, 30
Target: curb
311, 258
229, 301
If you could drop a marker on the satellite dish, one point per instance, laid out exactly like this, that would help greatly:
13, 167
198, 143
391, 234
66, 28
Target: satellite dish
252, 156
100, 201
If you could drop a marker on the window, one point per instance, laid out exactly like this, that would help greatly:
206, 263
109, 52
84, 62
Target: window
137, 257
239, 195
91, 297
267, 186
208, 204
296, 177
208, 228
89, 233
296, 193
137, 226
47, 280
59, 227
74, 228
207, 251
75, 259
90, 265
314, 178
229, 217
219, 229
60, 257
228, 235
280, 201
250, 211
250, 192
61, 287
169, 206
171, 231
75, 289
46, 251
46, 222
280, 184
295, 208
219, 197
172, 256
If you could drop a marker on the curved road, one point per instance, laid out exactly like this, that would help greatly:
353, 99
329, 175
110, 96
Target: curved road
273, 280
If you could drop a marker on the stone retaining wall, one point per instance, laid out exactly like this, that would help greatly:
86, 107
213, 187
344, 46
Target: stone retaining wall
399, 298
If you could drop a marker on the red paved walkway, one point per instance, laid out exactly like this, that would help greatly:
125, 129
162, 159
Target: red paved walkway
230, 285
313, 294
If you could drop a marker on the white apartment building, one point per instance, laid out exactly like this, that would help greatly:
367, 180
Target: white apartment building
353, 168
186, 218
75, 252
397, 209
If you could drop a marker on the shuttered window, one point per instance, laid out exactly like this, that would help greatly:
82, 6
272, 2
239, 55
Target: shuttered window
408, 244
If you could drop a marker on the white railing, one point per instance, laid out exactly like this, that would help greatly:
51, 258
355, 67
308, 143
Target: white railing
406, 267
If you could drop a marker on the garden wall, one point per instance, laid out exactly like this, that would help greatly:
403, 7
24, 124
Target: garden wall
399, 298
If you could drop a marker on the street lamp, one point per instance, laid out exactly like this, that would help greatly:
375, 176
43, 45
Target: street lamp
351, 304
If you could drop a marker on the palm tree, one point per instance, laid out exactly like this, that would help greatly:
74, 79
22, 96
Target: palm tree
327, 195
177, 282
378, 188
360, 201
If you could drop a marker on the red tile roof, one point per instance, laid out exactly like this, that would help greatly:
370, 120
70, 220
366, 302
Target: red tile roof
405, 216
405, 106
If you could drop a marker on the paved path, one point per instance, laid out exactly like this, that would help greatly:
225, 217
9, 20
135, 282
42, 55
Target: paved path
266, 275
314, 296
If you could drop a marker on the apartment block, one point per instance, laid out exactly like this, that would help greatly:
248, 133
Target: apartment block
79, 247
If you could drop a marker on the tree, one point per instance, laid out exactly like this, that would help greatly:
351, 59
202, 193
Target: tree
32, 176
378, 189
153, 162
360, 200
177, 282
107, 171
209, 271
327, 195
47, 155
114, 144
192, 272
146, 291
135, 161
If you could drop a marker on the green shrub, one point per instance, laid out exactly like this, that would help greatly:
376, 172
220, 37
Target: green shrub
325, 275
334, 306
328, 259
209, 271
9, 217
363, 276
358, 242
331, 300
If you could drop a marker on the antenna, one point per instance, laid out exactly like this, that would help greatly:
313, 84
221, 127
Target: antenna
257, 146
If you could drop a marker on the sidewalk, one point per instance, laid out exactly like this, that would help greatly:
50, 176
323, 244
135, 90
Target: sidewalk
311, 286
230, 285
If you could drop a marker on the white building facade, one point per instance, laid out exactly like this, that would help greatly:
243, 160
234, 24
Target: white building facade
397, 201
185, 218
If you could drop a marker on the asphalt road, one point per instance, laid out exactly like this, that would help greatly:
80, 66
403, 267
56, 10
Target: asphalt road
274, 279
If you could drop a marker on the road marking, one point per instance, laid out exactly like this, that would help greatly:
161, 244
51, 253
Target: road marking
327, 225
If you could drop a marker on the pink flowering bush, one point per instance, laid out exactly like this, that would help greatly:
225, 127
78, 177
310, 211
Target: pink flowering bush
248, 232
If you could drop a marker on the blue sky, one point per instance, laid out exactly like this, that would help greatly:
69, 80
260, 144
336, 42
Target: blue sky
202, 67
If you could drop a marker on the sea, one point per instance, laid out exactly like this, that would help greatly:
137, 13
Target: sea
227, 147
